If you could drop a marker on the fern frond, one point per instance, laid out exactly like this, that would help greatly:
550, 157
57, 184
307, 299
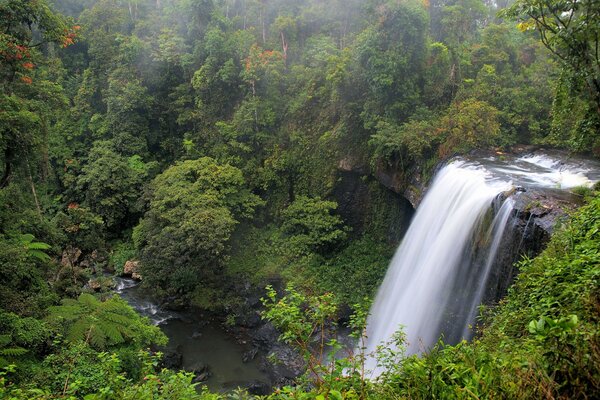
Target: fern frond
40, 255
97, 337
26, 238
38, 246
79, 330
112, 332
66, 312
13, 352
88, 300
116, 318
5, 339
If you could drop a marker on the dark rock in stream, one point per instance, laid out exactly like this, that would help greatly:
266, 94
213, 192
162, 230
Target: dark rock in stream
199, 368
258, 388
196, 335
248, 320
249, 355
172, 359
201, 377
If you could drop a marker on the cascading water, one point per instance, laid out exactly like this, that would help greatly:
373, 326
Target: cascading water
422, 275
439, 274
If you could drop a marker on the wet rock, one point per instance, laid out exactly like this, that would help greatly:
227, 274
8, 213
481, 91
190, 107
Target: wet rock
265, 336
258, 388
248, 320
70, 256
172, 359
201, 377
196, 335
198, 368
249, 355
288, 364
357, 193
136, 276
95, 285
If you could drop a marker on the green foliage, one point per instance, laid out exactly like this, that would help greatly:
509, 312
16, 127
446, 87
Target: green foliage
103, 324
36, 249
281, 95
8, 352
310, 225
469, 125
307, 323
82, 228
120, 254
569, 30
194, 207
23, 286
355, 272
112, 185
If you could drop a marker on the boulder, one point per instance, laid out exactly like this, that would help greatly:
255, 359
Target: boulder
70, 256
95, 285
258, 388
172, 359
131, 268
201, 377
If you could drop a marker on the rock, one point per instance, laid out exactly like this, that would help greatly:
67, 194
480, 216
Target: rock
258, 388
265, 337
136, 276
289, 364
198, 368
172, 359
95, 285
131, 268
196, 335
249, 355
248, 320
356, 194
201, 377
70, 256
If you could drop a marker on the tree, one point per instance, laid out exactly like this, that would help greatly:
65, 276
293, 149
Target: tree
111, 184
570, 29
311, 225
468, 125
24, 27
194, 207
392, 56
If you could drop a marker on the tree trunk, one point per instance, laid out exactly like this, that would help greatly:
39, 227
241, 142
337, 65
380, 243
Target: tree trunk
8, 159
35, 197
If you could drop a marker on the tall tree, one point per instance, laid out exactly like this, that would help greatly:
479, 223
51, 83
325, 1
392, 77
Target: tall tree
25, 27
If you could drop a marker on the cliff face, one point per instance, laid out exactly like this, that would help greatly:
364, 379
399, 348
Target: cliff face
366, 205
537, 213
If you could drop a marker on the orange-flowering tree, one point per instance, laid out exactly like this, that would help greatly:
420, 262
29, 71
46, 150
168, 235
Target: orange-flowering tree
25, 27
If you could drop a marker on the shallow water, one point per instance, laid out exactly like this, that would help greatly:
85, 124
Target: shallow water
200, 341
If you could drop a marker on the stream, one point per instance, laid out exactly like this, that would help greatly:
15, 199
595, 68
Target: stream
202, 343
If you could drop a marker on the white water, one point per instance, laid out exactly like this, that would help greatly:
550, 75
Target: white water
494, 235
437, 278
422, 275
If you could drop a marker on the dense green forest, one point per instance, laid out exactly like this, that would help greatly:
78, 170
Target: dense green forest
208, 140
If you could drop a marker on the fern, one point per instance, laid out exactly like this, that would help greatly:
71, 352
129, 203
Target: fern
35, 249
102, 324
9, 353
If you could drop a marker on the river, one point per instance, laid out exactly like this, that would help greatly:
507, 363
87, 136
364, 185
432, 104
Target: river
200, 340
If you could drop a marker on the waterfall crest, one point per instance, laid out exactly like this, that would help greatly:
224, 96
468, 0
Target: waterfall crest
430, 287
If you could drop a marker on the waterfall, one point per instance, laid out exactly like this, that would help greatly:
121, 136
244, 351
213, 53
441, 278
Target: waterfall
436, 279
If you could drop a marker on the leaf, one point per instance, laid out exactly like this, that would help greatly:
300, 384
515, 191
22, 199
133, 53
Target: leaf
335, 395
